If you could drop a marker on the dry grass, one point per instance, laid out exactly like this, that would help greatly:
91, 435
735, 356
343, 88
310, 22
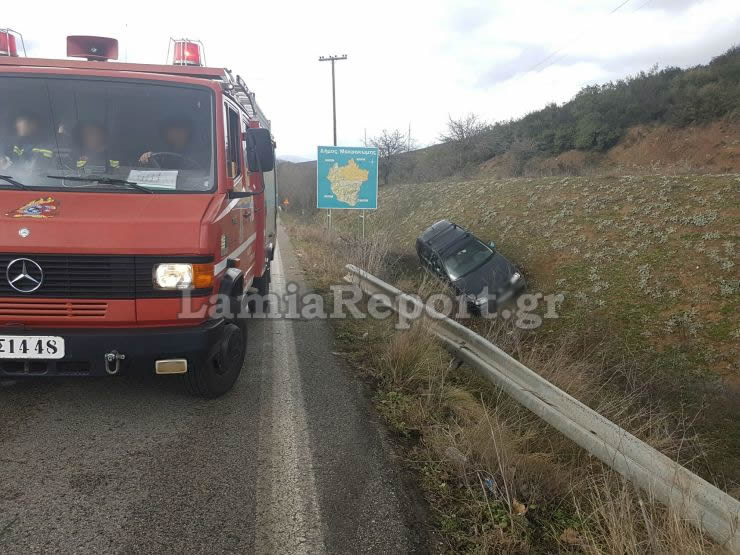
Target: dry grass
649, 267
513, 473
325, 252
710, 148
497, 478
613, 502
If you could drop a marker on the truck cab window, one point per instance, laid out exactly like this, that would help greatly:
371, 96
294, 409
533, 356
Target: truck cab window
233, 137
63, 132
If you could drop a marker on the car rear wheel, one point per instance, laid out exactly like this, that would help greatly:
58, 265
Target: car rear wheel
218, 375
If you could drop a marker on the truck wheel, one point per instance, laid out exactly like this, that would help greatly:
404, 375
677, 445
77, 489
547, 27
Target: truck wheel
262, 284
216, 376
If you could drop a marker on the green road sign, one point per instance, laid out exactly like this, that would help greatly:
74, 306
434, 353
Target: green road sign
347, 178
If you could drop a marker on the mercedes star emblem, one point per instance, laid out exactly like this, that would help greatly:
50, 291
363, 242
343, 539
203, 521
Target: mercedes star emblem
24, 232
24, 275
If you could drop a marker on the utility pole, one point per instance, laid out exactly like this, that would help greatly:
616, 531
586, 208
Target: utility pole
333, 59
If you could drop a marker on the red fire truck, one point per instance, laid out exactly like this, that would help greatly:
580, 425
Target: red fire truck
137, 214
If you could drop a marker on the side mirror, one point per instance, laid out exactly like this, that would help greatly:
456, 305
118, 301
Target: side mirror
492, 245
260, 153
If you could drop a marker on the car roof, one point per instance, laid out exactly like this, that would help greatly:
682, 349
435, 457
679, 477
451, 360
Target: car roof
443, 234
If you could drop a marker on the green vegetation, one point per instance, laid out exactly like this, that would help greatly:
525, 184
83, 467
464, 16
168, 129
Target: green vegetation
597, 117
600, 114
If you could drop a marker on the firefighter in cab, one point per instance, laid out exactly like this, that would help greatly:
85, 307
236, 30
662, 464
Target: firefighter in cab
27, 147
176, 149
92, 155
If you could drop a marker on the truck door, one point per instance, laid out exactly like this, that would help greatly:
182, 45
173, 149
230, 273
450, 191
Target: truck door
241, 219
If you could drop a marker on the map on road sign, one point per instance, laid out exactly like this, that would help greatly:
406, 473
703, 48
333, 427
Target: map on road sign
347, 177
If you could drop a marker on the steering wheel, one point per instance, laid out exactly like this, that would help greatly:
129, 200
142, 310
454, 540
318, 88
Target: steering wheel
185, 163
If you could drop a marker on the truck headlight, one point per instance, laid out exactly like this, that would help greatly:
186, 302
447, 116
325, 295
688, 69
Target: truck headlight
183, 276
516, 276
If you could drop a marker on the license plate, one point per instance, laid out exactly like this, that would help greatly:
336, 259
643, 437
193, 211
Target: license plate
31, 346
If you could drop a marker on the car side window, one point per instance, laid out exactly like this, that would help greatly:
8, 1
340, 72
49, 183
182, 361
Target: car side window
436, 264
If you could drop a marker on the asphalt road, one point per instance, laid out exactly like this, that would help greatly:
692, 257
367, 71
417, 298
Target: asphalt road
293, 460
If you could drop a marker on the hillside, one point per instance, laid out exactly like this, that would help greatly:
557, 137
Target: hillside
596, 120
670, 120
713, 148
648, 267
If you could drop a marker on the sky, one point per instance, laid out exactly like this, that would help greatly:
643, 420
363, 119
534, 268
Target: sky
409, 62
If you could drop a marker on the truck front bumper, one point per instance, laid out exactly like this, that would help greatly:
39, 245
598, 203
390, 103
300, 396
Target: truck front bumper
86, 349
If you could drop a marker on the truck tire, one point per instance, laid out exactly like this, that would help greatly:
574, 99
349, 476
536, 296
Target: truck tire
262, 284
218, 375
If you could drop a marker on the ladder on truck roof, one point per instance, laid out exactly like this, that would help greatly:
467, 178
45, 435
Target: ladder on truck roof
246, 98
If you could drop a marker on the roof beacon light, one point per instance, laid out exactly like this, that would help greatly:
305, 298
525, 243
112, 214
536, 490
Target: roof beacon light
95, 49
186, 52
9, 43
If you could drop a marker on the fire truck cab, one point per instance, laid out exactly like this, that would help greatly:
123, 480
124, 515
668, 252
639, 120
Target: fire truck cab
137, 214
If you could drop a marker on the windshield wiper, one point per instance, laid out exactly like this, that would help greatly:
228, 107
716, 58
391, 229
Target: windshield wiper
17, 184
103, 180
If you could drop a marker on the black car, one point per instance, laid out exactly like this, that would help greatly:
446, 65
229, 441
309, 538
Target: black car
472, 268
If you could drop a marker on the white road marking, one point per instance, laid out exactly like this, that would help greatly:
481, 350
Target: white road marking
288, 515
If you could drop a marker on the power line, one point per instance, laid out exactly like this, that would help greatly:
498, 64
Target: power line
567, 45
637, 9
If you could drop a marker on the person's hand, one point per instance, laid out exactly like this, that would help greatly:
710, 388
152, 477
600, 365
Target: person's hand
4, 162
144, 158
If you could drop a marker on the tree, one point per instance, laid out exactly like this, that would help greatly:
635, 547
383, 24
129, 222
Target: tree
465, 136
389, 144
464, 129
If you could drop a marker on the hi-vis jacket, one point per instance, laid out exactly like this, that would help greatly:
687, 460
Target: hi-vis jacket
28, 152
95, 161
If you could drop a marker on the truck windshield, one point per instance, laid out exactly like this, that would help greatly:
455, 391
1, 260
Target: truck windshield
102, 132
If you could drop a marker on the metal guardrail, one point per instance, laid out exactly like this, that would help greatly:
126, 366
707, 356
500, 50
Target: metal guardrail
704, 505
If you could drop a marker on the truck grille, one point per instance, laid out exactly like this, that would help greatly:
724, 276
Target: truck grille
39, 308
93, 276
